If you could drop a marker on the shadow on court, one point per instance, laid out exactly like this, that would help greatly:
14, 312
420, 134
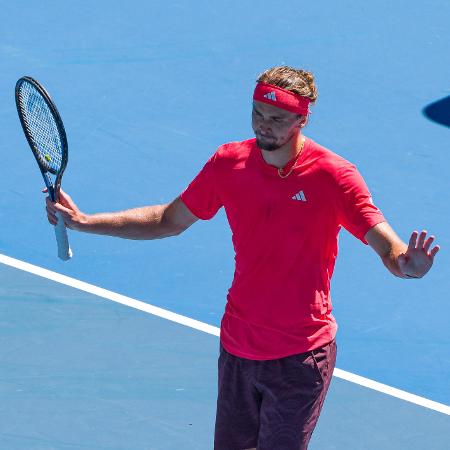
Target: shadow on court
439, 111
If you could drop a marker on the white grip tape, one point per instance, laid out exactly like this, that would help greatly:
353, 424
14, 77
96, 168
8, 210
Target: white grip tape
64, 251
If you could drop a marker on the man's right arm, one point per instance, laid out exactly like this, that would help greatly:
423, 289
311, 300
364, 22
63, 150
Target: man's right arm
148, 222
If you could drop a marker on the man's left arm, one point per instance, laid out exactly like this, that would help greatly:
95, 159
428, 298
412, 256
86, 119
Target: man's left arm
405, 261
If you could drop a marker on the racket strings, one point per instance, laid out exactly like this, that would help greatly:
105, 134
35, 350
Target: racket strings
42, 127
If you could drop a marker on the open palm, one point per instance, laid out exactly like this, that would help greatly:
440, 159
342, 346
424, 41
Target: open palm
418, 259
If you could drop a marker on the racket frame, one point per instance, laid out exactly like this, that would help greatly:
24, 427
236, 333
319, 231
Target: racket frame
64, 250
53, 188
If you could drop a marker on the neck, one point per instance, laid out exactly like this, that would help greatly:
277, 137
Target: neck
281, 156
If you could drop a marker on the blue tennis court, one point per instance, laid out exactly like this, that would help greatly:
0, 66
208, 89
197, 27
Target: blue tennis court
147, 92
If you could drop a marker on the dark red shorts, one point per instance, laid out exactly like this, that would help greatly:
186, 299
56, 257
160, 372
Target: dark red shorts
271, 405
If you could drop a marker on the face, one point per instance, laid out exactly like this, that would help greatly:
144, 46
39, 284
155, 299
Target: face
274, 127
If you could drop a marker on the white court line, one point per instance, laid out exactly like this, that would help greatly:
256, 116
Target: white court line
142, 306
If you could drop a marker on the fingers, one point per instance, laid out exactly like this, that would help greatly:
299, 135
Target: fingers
65, 209
52, 217
428, 243
65, 205
421, 240
413, 240
425, 245
434, 251
53, 208
418, 240
66, 200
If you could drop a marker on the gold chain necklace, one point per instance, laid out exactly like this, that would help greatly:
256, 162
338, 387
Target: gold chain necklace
280, 170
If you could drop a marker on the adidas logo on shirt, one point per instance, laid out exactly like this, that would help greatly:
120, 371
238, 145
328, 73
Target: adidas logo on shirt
271, 96
300, 196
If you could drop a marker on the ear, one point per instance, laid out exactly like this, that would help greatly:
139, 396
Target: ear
303, 120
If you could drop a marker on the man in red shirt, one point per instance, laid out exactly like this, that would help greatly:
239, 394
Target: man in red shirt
286, 199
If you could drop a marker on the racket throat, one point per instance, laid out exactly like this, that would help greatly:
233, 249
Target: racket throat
50, 187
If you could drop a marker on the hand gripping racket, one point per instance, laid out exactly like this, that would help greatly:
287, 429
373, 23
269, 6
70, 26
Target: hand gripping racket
45, 133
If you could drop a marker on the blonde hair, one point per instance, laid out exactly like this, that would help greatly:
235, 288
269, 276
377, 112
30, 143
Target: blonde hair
298, 81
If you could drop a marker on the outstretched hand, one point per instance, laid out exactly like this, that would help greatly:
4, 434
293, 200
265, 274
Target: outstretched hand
418, 259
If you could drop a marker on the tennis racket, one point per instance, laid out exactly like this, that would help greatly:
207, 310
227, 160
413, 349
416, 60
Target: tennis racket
46, 136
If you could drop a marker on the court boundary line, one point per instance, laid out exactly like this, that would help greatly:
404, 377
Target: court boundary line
206, 328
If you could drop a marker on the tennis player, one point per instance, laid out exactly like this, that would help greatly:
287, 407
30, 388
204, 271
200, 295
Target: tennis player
286, 198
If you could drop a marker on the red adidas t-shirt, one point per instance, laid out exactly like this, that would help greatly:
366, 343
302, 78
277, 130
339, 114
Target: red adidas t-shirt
285, 235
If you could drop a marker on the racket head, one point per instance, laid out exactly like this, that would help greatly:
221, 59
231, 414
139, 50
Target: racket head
43, 128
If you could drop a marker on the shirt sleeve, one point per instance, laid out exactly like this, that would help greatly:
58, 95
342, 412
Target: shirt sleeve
357, 212
202, 197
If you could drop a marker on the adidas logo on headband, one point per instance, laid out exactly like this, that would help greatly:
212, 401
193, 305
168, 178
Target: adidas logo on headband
271, 96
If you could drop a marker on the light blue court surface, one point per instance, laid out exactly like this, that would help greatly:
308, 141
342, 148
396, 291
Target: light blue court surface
147, 91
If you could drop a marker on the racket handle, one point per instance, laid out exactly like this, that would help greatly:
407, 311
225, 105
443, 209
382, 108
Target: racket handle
64, 251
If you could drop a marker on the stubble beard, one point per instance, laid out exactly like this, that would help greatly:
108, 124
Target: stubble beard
272, 146
267, 146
